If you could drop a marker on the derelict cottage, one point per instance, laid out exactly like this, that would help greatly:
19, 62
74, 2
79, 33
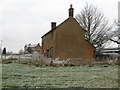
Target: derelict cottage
67, 40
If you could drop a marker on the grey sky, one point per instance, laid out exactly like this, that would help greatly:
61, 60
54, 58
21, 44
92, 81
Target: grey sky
25, 21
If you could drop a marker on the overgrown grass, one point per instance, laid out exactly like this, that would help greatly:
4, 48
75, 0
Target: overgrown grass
17, 75
27, 62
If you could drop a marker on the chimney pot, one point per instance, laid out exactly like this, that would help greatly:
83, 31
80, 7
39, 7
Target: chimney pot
71, 10
53, 25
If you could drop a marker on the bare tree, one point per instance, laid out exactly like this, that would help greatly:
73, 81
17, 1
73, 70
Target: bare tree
95, 24
115, 37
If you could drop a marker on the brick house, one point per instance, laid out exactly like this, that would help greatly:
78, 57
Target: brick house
30, 48
67, 40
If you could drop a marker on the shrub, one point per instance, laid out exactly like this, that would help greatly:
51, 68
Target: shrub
6, 61
32, 62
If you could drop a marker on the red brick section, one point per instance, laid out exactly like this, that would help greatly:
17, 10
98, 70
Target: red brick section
89, 51
38, 47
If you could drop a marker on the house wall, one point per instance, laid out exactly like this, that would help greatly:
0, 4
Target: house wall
68, 42
89, 51
71, 42
48, 45
38, 48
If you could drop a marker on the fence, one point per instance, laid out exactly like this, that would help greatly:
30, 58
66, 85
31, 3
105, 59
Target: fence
107, 56
34, 56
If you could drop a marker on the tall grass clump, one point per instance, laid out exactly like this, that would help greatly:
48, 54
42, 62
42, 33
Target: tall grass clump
32, 62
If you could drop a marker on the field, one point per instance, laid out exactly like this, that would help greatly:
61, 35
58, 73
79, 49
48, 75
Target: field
16, 75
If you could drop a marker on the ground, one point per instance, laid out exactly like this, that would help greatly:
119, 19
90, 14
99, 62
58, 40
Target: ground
15, 75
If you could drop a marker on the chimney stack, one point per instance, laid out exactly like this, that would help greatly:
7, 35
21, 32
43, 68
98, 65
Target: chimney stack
53, 25
71, 10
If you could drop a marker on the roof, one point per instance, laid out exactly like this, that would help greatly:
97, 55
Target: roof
60, 25
31, 45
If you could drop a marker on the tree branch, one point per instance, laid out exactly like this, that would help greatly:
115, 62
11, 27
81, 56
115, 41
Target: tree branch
114, 41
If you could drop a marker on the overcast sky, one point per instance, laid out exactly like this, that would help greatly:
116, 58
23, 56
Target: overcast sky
25, 21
